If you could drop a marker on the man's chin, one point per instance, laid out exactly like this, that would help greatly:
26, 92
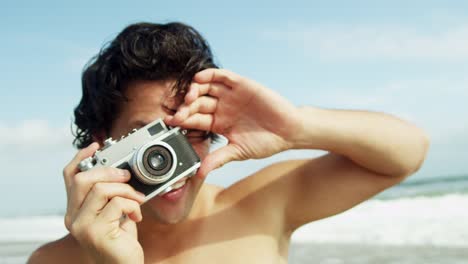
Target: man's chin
172, 207
171, 220
167, 216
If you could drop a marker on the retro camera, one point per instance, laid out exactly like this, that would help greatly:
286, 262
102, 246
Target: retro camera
157, 157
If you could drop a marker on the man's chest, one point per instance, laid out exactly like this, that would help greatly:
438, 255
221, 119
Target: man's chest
249, 249
227, 235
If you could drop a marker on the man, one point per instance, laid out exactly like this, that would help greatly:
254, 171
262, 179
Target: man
166, 71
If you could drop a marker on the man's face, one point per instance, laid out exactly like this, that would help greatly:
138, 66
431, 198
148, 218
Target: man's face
149, 100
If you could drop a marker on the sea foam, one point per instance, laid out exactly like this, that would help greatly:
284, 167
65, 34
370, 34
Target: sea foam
40, 228
439, 221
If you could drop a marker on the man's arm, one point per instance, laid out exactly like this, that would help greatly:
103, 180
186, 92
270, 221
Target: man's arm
376, 141
369, 151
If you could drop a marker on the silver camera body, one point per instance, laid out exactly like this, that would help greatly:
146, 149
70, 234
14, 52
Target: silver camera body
157, 157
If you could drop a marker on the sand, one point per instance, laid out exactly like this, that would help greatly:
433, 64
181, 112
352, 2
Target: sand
302, 253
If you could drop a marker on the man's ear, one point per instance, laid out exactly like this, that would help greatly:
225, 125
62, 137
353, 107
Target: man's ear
99, 137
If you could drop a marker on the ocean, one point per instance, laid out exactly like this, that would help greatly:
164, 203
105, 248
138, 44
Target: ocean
418, 221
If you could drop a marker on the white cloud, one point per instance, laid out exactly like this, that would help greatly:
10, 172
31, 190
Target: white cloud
32, 156
32, 133
344, 42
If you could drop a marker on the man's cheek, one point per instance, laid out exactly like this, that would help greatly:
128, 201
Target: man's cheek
201, 148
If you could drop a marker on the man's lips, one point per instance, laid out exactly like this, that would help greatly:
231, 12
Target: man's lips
180, 183
177, 191
177, 185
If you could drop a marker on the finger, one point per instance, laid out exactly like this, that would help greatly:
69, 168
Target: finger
72, 167
129, 225
196, 121
119, 206
82, 183
192, 93
218, 75
217, 159
197, 90
203, 105
102, 193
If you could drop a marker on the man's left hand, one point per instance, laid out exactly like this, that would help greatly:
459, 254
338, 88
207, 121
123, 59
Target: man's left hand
256, 121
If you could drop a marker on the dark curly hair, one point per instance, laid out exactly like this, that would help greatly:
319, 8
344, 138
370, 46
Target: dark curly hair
142, 51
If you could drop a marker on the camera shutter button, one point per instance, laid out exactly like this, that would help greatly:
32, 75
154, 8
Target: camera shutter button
86, 164
108, 142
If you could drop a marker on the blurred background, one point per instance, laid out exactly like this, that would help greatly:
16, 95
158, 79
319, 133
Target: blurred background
407, 58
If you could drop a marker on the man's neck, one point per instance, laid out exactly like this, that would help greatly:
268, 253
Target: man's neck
152, 228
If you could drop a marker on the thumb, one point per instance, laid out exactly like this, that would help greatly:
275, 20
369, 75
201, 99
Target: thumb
217, 159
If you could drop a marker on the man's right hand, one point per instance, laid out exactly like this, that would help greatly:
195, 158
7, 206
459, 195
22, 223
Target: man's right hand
97, 200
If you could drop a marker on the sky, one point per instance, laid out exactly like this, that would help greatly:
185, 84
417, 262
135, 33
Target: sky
406, 58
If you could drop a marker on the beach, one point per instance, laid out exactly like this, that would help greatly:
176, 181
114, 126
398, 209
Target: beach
411, 223
317, 253
328, 253
17, 252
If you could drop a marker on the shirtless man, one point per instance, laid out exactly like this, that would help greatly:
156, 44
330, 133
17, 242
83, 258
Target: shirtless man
248, 222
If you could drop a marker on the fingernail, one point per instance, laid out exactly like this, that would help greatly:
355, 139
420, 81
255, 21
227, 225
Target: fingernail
123, 173
93, 145
141, 194
169, 118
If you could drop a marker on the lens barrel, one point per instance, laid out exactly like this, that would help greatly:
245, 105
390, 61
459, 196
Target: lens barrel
157, 161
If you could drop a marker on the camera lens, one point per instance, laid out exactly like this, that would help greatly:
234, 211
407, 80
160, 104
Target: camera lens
157, 161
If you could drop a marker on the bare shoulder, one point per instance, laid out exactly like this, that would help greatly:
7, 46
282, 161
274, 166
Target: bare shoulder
292, 193
260, 195
62, 250
251, 189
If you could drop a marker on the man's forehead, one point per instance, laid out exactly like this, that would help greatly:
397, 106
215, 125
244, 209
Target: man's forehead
152, 93
147, 101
